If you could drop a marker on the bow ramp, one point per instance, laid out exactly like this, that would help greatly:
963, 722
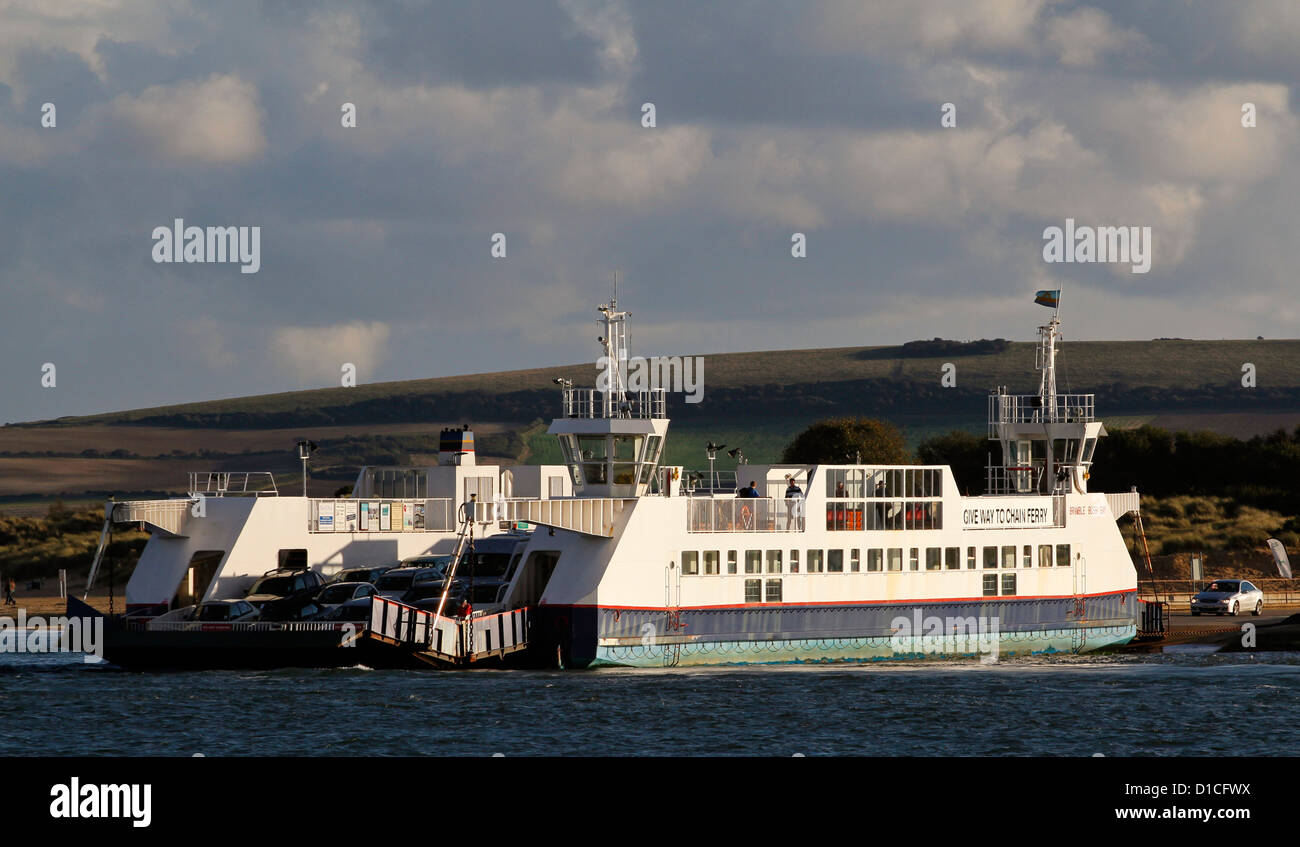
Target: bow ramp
441, 641
594, 516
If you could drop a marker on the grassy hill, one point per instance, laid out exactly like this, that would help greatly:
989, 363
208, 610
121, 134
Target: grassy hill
757, 401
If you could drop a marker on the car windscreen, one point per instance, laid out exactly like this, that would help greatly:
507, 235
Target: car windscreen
1222, 587
394, 582
214, 613
491, 564
337, 594
273, 585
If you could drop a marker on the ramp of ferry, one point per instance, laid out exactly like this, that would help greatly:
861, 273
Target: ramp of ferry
422, 637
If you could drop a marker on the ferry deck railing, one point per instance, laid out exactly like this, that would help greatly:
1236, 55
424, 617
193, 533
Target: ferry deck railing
233, 483
744, 514
1029, 408
589, 403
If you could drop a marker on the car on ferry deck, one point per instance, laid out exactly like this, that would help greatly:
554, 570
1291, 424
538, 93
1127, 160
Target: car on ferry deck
354, 611
337, 593
398, 581
225, 611
283, 583
367, 574
1228, 596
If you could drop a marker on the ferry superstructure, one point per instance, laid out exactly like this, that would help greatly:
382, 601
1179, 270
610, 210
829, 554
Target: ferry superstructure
233, 527
873, 562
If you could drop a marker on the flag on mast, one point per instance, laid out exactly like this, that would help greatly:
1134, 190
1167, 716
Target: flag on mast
1051, 298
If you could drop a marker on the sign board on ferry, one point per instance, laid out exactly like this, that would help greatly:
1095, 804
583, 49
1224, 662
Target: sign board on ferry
1008, 513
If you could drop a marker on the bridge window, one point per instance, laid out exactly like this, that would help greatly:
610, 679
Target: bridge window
690, 563
814, 561
1008, 555
990, 557
773, 591
875, 559
895, 558
753, 591
774, 561
1008, 584
1044, 555
952, 558
753, 561
990, 585
731, 561
933, 558
710, 562
855, 560
1063, 555
835, 561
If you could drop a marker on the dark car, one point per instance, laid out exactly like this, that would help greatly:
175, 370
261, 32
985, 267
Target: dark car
281, 584
225, 611
367, 574
398, 581
299, 607
353, 611
336, 593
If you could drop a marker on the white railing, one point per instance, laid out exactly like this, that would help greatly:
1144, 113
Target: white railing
587, 515
589, 403
236, 483
1124, 503
167, 515
380, 515
501, 633
744, 514
1029, 408
247, 626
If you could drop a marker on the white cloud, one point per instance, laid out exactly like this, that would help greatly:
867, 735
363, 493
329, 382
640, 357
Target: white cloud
216, 120
315, 355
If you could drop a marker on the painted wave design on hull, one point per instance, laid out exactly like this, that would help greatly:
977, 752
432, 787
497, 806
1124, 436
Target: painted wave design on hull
874, 649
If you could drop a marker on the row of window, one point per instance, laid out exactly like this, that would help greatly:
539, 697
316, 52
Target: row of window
894, 482
871, 515
769, 591
709, 562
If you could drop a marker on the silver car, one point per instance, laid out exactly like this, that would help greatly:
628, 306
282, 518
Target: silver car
1228, 597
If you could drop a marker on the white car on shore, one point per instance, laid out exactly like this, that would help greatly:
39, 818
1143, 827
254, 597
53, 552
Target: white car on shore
1228, 597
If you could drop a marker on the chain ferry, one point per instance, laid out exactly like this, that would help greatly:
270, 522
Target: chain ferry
616, 559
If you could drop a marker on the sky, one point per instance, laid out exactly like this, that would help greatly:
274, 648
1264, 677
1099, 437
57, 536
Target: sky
526, 119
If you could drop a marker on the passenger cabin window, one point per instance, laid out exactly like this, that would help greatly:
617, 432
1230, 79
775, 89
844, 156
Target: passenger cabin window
753, 591
773, 591
690, 563
952, 558
794, 561
855, 561
970, 558
1029, 556
731, 561
753, 561
1063, 555
710, 562
895, 558
1044, 555
814, 561
875, 559
990, 585
913, 559
990, 557
933, 558
1008, 555
774, 561
1008, 584
835, 561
